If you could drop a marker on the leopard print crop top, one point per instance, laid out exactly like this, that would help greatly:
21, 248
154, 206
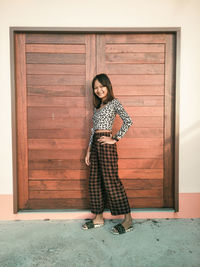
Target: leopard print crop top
103, 118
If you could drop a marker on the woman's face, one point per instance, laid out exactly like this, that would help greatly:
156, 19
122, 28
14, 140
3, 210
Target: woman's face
100, 90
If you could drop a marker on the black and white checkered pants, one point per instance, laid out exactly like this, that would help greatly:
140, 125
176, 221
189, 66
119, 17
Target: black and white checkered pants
105, 188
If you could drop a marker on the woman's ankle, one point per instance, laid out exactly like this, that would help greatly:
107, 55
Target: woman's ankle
128, 217
99, 217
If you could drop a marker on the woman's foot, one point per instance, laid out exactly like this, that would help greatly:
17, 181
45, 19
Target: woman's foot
119, 229
98, 219
126, 224
96, 222
90, 225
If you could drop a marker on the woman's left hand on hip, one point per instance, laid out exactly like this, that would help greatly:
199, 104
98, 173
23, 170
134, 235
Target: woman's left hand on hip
106, 140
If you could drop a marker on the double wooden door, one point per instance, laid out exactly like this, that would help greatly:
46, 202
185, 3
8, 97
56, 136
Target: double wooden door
54, 109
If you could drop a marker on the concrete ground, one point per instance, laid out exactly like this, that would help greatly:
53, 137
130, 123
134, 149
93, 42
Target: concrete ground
155, 242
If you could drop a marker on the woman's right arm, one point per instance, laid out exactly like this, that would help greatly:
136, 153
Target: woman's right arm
87, 157
91, 137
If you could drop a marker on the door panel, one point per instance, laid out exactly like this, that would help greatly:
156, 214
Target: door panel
138, 65
54, 110
57, 69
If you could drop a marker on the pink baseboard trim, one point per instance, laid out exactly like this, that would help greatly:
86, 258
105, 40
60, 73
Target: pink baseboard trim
189, 207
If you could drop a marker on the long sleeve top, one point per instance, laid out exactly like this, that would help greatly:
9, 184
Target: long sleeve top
103, 118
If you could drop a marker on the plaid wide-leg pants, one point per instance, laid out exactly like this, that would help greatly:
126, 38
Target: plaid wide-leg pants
105, 187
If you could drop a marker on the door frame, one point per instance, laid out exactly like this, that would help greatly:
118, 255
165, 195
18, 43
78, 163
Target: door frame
175, 30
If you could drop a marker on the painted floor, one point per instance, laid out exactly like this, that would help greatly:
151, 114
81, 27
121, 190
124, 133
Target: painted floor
155, 242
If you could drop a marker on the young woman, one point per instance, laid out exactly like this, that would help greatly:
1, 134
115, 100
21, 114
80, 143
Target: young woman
105, 187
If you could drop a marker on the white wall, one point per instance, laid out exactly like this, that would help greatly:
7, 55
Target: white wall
112, 13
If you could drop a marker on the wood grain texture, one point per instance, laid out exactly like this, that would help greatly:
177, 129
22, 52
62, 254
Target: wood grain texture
142, 202
55, 112
135, 79
128, 174
21, 103
57, 123
43, 58
140, 132
55, 144
51, 101
66, 203
54, 48
58, 174
146, 101
169, 122
91, 68
55, 38
48, 79
55, 69
57, 164
57, 90
83, 203
134, 38
43, 194
130, 163
135, 58
56, 154
55, 133
151, 193
119, 68
147, 111
130, 48
137, 90
77, 185
75, 143
58, 77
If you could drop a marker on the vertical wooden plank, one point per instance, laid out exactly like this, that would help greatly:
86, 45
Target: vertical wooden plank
169, 121
14, 121
90, 73
21, 103
100, 53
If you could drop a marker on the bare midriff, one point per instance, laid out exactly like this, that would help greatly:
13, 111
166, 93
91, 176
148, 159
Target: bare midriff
99, 131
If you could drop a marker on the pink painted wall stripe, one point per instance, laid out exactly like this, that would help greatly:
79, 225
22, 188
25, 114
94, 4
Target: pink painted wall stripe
189, 204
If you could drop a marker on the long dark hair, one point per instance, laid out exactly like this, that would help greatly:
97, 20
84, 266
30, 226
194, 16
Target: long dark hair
105, 81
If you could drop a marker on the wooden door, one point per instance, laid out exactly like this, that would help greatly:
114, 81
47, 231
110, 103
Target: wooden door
54, 109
